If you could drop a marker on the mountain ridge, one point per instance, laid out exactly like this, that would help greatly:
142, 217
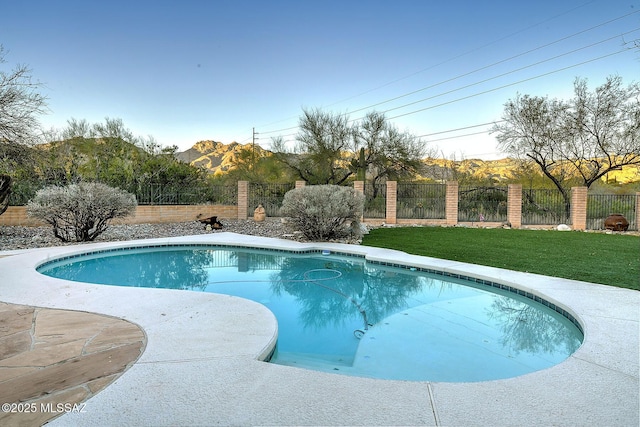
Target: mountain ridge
218, 158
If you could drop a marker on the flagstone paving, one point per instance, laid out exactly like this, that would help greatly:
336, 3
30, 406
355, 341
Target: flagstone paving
53, 360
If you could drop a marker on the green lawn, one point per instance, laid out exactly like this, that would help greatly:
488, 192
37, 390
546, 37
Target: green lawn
610, 259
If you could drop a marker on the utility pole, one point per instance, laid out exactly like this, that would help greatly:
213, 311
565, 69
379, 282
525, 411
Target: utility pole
253, 147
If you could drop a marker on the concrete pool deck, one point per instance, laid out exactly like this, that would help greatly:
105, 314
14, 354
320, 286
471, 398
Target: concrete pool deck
200, 365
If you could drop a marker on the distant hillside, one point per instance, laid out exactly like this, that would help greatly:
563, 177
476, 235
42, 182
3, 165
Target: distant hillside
85, 153
218, 158
495, 170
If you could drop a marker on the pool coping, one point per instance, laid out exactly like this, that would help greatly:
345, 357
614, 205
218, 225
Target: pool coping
201, 363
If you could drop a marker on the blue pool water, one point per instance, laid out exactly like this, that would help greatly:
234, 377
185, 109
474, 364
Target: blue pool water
344, 315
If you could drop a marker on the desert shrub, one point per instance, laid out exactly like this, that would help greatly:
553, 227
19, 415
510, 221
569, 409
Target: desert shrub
324, 212
80, 212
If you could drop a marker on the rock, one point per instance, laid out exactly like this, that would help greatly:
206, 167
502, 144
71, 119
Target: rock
563, 227
363, 229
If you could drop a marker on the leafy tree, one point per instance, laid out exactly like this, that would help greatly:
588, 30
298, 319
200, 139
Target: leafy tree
324, 143
575, 141
330, 150
257, 166
109, 152
82, 211
385, 152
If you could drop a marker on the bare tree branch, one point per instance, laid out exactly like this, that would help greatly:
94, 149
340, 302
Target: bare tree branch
20, 104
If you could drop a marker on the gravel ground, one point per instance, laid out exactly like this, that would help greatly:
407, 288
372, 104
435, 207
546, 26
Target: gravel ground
15, 237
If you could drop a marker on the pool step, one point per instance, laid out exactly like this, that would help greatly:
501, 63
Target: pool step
324, 362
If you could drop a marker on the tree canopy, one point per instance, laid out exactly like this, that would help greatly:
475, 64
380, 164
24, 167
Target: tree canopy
575, 142
104, 152
330, 149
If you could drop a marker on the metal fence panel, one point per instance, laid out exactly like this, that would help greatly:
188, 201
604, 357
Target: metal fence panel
600, 206
543, 206
478, 204
159, 194
421, 201
22, 192
375, 200
150, 194
270, 196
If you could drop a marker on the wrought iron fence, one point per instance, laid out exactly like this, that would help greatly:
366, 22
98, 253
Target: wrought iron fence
421, 201
148, 194
22, 192
375, 200
478, 204
600, 206
163, 194
414, 201
270, 196
544, 206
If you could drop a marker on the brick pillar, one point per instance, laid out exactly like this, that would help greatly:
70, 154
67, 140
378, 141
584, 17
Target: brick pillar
451, 203
514, 205
579, 208
392, 202
300, 184
638, 211
243, 199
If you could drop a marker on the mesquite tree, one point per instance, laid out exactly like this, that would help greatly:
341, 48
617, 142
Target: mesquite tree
577, 141
330, 149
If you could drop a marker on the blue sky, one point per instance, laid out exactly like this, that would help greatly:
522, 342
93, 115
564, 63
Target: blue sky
185, 71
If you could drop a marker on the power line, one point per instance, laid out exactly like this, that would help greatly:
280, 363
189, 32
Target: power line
489, 91
462, 128
509, 59
509, 84
279, 130
457, 136
485, 67
463, 54
492, 78
510, 72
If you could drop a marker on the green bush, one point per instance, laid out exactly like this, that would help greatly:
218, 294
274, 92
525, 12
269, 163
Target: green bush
80, 212
324, 212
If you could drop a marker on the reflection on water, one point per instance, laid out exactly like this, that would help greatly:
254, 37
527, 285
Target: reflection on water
326, 297
162, 269
342, 315
526, 328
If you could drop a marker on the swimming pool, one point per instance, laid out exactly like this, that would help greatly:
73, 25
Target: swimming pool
342, 314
